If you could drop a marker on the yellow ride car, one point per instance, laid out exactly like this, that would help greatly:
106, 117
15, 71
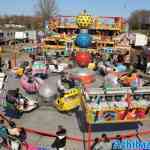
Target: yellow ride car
69, 100
19, 72
92, 66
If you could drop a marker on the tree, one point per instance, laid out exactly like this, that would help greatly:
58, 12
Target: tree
139, 19
46, 9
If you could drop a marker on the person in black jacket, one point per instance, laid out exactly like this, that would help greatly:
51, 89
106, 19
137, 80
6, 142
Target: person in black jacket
60, 141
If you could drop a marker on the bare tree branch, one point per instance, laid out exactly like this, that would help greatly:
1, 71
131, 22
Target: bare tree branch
46, 8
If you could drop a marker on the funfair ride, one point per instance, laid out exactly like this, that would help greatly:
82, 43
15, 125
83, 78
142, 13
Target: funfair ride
103, 105
72, 98
108, 105
63, 29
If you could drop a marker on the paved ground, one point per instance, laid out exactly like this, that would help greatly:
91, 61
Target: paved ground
47, 119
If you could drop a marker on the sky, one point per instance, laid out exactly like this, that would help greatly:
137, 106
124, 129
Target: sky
73, 7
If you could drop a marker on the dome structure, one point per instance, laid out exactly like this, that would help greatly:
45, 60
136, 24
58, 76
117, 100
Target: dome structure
83, 58
84, 20
83, 40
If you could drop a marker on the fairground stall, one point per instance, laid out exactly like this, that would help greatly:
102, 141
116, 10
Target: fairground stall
115, 105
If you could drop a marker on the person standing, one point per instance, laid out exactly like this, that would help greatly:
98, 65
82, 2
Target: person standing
96, 140
9, 64
3, 132
103, 144
17, 136
60, 141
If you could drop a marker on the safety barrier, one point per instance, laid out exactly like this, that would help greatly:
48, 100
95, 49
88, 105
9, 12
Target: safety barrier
75, 143
79, 140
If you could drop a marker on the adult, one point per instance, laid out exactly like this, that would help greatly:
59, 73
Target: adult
9, 64
96, 140
17, 136
103, 144
64, 84
60, 141
127, 60
12, 101
3, 132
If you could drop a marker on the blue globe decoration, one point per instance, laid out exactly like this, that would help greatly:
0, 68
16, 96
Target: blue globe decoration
83, 40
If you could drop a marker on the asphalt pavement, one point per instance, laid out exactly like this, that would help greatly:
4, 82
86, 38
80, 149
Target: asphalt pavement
46, 119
